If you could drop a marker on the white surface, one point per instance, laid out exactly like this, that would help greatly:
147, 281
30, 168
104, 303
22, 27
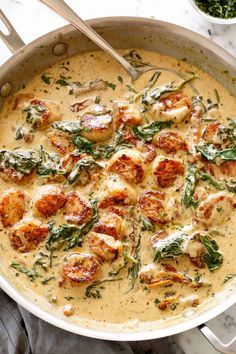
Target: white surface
32, 19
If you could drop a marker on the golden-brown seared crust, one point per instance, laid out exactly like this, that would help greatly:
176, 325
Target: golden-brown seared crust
49, 200
12, 207
80, 268
105, 247
110, 224
27, 235
167, 171
61, 143
149, 151
11, 175
171, 141
128, 166
126, 113
151, 203
215, 209
228, 168
77, 210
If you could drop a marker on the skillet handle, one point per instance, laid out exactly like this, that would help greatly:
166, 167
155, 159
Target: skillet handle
11, 39
229, 348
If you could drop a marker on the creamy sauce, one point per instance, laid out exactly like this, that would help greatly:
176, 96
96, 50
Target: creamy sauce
120, 301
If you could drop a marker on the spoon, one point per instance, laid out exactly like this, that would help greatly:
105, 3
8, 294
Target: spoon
60, 7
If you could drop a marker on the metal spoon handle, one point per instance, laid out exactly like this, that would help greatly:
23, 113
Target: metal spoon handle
60, 7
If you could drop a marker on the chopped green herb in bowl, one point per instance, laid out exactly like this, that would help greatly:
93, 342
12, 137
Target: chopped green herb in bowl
217, 11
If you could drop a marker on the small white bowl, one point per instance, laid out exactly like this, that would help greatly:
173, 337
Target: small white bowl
219, 21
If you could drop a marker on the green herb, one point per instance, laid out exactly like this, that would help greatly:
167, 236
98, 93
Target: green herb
170, 247
19, 133
47, 279
71, 235
197, 277
34, 114
92, 291
111, 85
147, 132
217, 96
208, 178
43, 260
82, 166
212, 258
218, 8
231, 185
49, 164
120, 79
83, 144
134, 269
210, 152
131, 89
191, 181
173, 306
31, 273
97, 99
152, 96
169, 294
46, 79
69, 298
117, 271
71, 127
100, 151
229, 277
134, 58
156, 301
147, 225
65, 233
23, 161
63, 80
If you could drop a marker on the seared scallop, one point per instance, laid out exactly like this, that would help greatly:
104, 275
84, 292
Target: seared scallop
26, 235
12, 206
77, 210
111, 224
215, 209
117, 192
105, 247
97, 125
126, 113
41, 113
215, 133
167, 171
152, 204
170, 141
48, 200
80, 268
175, 107
61, 143
129, 164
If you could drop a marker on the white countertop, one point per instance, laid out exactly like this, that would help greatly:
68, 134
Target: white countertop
32, 19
